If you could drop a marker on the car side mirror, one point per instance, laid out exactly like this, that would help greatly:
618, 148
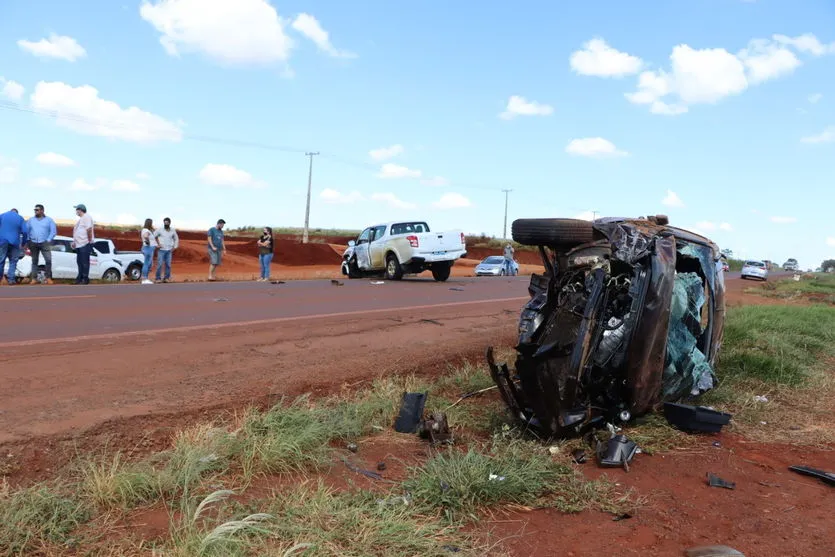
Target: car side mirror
351, 243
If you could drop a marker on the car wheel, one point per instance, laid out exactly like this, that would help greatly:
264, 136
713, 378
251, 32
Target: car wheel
40, 276
134, 272
111, 275
557, 233
441, 273
393, 269
353, 269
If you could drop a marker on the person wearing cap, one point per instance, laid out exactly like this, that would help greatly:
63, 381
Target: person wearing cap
216, 248
42, 231
13, 236
82, 243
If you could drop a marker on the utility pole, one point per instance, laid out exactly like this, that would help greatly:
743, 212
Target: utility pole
307, 208
594, 216
504, 230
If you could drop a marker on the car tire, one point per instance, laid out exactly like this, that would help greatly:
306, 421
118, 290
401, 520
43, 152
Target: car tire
558, 233
441, 273
134, 271
111, 275
353, 269
393, 269
40, 276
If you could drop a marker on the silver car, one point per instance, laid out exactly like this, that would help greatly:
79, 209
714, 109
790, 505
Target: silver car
494, 266
755, 270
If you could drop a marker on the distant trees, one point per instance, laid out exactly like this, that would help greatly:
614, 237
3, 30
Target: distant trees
828, 266
728, 253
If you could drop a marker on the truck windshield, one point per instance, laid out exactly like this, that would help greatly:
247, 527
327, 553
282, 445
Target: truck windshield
409, 228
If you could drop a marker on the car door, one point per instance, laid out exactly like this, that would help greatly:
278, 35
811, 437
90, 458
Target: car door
376, 248
63, 260
361, 249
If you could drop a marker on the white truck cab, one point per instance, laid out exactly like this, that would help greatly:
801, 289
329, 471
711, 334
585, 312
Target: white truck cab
403, 247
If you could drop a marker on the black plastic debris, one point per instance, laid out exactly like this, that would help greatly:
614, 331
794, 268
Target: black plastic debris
826, 477
435, 428
457, 289
277, 282
336, 282
578, 456
695, 418
624, 516
352, 447
411, 412
363, 471
617, 452
715, 481
381, 466
713, 551
451, 548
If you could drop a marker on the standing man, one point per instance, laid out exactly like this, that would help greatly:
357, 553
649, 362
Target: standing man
168, 242
82, 243
508, 259
216, 248
42, 231
13, 236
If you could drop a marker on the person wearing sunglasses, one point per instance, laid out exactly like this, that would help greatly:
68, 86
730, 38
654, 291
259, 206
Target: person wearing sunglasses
42, 231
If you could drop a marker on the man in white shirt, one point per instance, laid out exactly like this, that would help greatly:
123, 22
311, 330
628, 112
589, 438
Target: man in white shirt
168, 242
82, 243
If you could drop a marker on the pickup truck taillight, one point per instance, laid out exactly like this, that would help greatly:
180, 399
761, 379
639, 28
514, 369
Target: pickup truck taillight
413, 241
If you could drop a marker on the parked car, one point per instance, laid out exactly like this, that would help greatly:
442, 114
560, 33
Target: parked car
629, 313
400, 248
755, 269
791, 265
494, 266
106, 263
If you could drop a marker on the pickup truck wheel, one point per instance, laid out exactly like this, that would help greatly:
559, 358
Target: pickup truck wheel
393, 269
561, 233
353, 269
111, 275
134, 271
441, 273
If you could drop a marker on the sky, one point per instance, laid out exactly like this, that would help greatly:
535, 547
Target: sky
718, 113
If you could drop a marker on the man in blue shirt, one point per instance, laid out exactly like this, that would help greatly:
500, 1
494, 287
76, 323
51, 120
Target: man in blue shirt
42, 231
13, 236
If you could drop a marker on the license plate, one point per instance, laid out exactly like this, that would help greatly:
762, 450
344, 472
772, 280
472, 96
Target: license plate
438, 252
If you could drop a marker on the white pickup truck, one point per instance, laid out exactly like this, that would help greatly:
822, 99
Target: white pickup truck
106, 263
399, 248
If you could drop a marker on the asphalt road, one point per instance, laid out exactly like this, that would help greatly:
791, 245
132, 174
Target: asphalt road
66, 312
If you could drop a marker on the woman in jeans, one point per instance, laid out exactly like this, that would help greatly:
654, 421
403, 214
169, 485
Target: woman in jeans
149, 246
265, 253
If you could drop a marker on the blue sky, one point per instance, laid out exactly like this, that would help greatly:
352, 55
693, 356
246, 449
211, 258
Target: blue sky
718, 113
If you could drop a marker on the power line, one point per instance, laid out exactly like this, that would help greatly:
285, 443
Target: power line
307, 208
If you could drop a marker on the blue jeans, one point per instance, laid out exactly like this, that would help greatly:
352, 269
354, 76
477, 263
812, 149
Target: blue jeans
164, 258
265, 259
82, 259
148, 252
13, 254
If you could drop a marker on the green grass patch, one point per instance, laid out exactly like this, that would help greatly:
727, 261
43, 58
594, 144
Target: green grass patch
39, 517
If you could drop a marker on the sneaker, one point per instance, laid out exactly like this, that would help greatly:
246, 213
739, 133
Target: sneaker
147, 281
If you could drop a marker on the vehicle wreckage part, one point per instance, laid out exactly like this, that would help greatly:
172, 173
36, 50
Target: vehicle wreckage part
616, 452
695, 418
713, 551
411, 412
825, 477
435, 428
552, 232
715, 481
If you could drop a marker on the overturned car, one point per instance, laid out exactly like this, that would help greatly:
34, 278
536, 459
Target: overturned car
628, 314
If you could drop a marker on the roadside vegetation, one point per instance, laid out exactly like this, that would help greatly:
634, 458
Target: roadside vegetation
817, 287
278, 481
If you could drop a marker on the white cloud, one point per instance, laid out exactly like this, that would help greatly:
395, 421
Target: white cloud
814, 98
436, 181
452, 201
385, 153
125, 185
593, 147
706, 226
830, 241
44, 183
309, 26
392, 201
672, 200
825, 136
390, 170
706, 76
56, 46
783, 220
11, 90
142, 176
82, 110
585, 215
54, 159
726, 226
234, 32
519, 106
228, 176
126, 219
9, 171
80, 184
334, 197
599, 59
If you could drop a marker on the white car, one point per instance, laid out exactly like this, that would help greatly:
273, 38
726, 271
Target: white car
494, 266
108, 267
399, 248
755, 269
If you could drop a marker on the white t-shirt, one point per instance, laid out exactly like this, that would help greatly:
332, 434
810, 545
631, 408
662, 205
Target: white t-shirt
148, 238
79, 233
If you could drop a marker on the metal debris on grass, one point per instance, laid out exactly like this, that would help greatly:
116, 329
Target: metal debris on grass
715, 481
